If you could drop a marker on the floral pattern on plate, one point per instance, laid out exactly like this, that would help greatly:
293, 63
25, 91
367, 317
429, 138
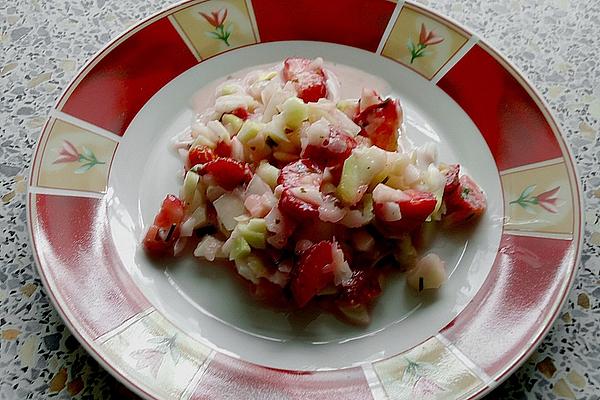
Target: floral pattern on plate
422, 42
538, 199
215, 26
428, 371
153, 351
75, 158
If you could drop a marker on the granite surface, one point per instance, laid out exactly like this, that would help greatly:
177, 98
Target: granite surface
556, 43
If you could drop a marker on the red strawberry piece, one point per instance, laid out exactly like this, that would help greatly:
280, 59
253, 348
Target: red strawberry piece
311, 274
361, 289
295, 208
227, 172
452, 179
200, 155
223, 149
299, 173
465, 203
309, 80
414, 212
380, 123
164, 232
241, 113
333, 151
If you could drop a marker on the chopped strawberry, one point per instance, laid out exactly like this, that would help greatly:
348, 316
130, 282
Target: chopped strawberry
414, 211
362, 288
223, 149
464, 203
228, 173
380, 123
200, 155
164, 232
300, 172
296, 208
333, 151
269, 293
311, 275
241, 113
309, 80
451, 176
171, 212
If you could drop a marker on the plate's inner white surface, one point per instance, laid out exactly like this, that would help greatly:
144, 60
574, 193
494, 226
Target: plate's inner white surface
210, 304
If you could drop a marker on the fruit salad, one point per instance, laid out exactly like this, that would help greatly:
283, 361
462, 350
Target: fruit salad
312, 198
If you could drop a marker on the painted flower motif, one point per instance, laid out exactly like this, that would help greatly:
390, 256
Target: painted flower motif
148, 358
547, 200
217, 20
153, 358
69, 153
426, 38
420, 385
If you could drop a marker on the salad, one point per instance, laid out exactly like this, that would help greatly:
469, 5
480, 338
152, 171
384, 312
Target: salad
313, 198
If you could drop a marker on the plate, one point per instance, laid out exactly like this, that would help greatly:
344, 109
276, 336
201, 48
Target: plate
188, 330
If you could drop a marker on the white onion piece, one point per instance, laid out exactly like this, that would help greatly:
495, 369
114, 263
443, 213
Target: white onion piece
426, 155
383, 193
390, 211
209, 248
228, 103
329, 212
341, 270
229, 206
257, 186
411, 174
429, 273
309, 194
179, 245
237, 149
356, 219
316, 133
368, 98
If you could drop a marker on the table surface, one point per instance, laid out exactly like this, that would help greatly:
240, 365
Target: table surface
43, 44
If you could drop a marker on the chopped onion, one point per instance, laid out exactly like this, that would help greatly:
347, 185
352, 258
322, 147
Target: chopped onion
411, 174
229, 206
308, 193
391, 211
368, 98
179, 245
329, 211
257, 186
383, 194
209, 248
429, 273
341, 270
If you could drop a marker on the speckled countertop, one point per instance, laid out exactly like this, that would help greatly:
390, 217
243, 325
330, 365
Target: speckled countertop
43, 43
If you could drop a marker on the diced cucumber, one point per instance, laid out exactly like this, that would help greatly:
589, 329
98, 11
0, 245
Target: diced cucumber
249, 130
232, 123
253, 238
251, 268
254, 232
359, 169
268, 173
275, 130
189, 187
295, 111
239, 249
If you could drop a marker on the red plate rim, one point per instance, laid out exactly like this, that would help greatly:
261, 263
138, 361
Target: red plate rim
507, 64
